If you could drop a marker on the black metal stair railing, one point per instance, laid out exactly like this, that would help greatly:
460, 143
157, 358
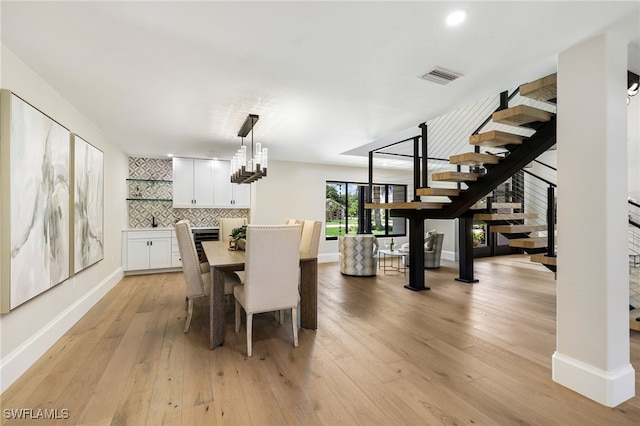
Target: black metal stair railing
536, 196
421, 149
634, 254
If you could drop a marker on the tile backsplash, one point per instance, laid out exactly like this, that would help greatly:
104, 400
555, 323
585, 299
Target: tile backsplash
159, 189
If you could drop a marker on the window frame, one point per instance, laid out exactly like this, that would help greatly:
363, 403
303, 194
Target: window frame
345, 226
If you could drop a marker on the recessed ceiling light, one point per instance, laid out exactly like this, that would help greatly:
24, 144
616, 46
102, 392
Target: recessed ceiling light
456, 17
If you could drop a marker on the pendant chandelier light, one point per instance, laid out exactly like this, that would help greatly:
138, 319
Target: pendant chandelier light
249, 170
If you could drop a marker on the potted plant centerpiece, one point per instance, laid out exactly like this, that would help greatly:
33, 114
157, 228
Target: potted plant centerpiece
238, 238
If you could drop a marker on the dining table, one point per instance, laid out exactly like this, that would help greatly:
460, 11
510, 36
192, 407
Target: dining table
221, 259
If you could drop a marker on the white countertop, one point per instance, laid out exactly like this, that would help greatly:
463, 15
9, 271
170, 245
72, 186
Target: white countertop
166, 228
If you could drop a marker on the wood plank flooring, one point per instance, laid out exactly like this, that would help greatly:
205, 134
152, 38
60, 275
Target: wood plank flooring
458, 354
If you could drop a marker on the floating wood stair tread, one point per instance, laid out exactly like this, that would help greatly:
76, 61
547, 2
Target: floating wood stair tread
520, 114
544, 259
483, 205
542, 89
446, 192
495, 138
536, 242
410, 205
504, 216
454, 176
473, 159
517, 229
634, 324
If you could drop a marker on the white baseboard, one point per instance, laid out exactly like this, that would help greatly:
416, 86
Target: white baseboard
335, 257
328, 257
449, 255
14, 364
609, 388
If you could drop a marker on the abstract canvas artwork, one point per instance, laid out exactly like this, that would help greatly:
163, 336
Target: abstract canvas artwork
39, 200
87, 204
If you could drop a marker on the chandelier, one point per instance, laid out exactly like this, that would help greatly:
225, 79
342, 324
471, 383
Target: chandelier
249, 169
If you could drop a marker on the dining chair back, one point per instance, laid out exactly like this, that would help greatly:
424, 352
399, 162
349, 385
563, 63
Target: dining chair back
197, 276
195, 279
228, 224
271, 276
310, 238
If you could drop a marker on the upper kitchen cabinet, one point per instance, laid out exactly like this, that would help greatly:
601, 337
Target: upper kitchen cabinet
227, 194
193, 183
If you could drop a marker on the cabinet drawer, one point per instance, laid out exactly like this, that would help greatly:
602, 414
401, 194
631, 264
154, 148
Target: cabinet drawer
148, 234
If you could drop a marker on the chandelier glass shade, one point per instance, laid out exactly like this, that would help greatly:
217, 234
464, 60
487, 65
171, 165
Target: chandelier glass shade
248, 169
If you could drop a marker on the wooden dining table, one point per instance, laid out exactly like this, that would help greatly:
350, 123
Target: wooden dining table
222, 260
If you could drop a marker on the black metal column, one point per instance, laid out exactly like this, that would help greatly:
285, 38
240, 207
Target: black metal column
367, 212
416, 255
465, 239
425, 156
416, 168
551, 221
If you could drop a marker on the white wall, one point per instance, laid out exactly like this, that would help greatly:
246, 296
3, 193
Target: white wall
28, 331
298, 190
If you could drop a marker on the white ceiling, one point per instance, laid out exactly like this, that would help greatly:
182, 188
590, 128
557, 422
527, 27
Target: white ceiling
325, 77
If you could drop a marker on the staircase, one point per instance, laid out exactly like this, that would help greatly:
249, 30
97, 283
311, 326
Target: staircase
511, 224
520, 151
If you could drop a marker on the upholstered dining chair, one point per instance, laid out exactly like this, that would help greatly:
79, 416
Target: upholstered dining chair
228, 224
310, 238
196, 274
271, 276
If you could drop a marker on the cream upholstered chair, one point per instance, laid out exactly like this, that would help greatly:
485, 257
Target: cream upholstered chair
310, 238
433, 241
271, 276
358, 254
228, 224
196, 274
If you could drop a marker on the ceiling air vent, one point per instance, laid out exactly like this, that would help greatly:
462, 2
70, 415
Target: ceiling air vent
441, 76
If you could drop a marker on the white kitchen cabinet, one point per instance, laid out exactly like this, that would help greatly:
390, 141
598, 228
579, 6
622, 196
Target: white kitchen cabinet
193, 183
176, 260
227, 194
147, 249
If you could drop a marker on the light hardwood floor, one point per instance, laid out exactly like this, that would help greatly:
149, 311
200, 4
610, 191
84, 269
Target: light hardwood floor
458, 354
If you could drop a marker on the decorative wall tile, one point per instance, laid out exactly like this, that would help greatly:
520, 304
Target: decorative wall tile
150, 189
150, 168
141, 212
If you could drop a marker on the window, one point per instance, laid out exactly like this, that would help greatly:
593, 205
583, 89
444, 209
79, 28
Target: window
343, 212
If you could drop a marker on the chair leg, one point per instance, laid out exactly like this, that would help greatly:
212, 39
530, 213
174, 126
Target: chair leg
294, 325
249, 328
238, 308
189, 314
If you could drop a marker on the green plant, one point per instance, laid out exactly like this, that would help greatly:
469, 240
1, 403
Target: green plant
239, 233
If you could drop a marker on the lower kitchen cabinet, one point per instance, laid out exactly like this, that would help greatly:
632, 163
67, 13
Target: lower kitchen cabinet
147, 249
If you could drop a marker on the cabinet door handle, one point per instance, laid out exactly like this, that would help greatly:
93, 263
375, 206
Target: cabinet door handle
150, 243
